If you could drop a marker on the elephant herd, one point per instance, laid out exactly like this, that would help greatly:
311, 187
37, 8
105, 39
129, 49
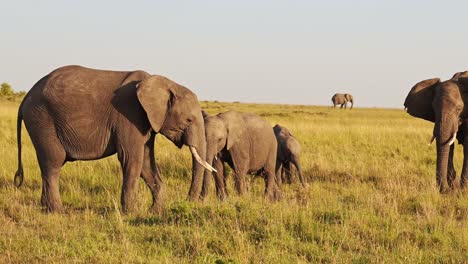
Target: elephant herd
77, 113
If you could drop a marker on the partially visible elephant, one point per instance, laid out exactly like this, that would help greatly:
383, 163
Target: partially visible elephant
247, 143
289, 150
77, 113
443, 103
342, 99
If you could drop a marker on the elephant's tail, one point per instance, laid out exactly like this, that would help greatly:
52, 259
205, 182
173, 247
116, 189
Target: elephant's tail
19, 173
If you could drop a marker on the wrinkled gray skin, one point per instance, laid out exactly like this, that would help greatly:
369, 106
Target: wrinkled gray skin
443, 103
289, 150
342, 99
76, 113
247, 143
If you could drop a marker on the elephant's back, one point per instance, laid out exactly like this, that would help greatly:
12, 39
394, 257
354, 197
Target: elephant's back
262, 140
338, 98
75, 82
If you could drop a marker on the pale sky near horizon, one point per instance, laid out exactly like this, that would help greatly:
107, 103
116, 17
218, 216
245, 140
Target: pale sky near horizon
295, 52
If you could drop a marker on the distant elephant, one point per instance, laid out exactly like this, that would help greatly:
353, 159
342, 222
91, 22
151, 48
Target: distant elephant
289, 150
342, 99
443, 103
77, 113
247, 143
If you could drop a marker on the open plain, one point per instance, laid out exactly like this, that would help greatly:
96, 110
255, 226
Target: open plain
372, 197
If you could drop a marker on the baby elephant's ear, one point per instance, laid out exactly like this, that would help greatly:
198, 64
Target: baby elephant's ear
418, 103
155, 94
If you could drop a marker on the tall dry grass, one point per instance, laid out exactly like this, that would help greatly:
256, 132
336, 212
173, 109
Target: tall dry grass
372, 198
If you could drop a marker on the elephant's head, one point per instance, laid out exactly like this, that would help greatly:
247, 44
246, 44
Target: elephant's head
349, 98
174, 111
444, 104
458, 75
223, 131
281, 131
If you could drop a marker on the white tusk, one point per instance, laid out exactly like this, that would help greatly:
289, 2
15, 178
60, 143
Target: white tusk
453, 138
199, 160
216, 157
406, 109
432, 140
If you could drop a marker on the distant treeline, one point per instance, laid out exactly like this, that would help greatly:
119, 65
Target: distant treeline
7, 92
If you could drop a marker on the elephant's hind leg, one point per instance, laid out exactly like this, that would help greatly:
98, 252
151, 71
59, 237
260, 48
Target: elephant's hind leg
50, 162
51, 156
152, 177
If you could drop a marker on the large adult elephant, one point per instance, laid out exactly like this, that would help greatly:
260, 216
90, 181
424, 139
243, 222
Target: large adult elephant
443, 103
289, 151
342, 99
247, 143
77, 113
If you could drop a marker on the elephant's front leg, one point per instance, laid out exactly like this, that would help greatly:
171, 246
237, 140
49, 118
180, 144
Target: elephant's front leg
287, 177
131, 160
220, 180
278, 172
152, 177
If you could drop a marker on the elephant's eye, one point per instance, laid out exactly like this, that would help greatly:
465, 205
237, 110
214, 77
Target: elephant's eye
189, 120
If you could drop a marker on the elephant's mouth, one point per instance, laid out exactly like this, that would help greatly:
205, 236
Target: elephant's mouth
175, 135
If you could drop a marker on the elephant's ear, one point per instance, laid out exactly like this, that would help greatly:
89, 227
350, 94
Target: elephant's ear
458, 75
204, 114
419, 99
235, 128
156, 95
463, 80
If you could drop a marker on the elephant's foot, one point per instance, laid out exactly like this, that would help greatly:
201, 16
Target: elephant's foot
221, 195
463, 183
128, 205
157, 208
444, 189
52, 205
273, 196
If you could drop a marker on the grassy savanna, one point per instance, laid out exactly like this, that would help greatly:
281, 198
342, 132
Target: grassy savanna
371, 198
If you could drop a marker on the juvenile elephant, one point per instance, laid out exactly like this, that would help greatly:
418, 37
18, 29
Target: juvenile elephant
77, 113
443, 103
289, 150
247, 143
342, 99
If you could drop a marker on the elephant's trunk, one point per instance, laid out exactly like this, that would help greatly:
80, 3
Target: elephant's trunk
445, 133
210, 157
352, 103
195, 139
442, 165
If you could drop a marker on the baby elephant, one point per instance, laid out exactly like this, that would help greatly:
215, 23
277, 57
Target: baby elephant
247, 143
288, 152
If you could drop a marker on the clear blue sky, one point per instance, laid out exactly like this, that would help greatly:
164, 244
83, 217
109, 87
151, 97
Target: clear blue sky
297, 52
